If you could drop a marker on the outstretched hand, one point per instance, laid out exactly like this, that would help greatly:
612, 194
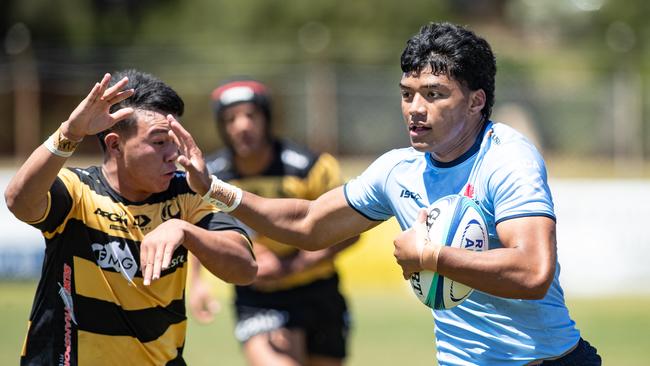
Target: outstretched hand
92, 114
190, 157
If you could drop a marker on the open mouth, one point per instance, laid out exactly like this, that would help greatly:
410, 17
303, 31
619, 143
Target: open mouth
418, 128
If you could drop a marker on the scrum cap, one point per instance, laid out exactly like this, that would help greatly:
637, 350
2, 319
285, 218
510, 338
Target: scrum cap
241, 91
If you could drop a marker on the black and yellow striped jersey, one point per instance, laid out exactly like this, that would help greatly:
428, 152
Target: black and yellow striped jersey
91, 307
294, 172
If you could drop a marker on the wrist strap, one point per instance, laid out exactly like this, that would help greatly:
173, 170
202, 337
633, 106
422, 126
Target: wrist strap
60, 145
430, 262
223, 195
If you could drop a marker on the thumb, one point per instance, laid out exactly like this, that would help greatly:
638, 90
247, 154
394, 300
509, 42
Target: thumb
420, 224
184, 162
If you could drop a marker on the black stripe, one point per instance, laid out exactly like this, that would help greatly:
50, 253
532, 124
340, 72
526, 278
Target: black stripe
532, 214
220, 221
107, 318
60, 206
95, 180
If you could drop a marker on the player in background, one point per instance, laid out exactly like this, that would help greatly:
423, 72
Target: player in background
293, 314
518, 315
95, 303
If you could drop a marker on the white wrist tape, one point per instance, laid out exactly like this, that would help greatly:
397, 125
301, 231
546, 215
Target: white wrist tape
60, 145
223, 195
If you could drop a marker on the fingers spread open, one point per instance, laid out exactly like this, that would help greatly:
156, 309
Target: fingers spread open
115, 89
184, 137
122, 114
120, 96
104, 84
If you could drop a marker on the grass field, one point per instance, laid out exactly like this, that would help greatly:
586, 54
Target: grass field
390, 328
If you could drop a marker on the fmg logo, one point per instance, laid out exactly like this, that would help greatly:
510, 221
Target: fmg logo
117, 256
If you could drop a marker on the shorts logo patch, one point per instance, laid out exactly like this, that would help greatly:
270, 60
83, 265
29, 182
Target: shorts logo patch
259, 323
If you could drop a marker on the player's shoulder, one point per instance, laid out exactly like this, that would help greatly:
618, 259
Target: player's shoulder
76, 175
507, 140
220, 163
509, 147
295, 158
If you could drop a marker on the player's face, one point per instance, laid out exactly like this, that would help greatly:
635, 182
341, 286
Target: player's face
245, 125
148, 160
442, 116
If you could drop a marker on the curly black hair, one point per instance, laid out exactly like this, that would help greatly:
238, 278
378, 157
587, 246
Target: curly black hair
454, 51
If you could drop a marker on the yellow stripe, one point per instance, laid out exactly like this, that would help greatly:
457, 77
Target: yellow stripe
24, 350
103, 350
91, 281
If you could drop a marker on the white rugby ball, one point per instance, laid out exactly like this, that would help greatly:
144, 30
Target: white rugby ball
455, 221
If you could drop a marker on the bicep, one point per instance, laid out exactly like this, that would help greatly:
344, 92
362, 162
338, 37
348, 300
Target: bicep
533, 236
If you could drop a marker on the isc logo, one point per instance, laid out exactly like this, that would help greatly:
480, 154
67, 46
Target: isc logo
408, 194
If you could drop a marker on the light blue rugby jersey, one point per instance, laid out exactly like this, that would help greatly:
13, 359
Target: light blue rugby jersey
507, 176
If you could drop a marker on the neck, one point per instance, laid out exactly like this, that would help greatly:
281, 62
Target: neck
116, 182
463, 143
256, 162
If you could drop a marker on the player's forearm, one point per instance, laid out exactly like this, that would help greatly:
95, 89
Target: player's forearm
224, 253
308, 225
285, 220
504, 272
26, 193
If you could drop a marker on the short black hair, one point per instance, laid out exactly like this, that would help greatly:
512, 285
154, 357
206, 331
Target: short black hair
150, 93
454, 51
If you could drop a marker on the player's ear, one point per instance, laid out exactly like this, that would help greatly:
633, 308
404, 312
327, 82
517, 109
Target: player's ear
112, 141
477, 101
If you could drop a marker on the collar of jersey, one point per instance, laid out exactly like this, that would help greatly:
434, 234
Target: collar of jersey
466, 155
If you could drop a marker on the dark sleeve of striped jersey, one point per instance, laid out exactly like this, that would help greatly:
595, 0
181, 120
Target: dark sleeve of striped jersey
60, 205
218, 221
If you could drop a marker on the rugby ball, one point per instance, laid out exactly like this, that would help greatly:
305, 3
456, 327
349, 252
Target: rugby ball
454, 221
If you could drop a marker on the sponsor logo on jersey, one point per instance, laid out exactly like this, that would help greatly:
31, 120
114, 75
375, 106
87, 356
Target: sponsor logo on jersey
408, 194
170, 211
116, 255
141, 221
119, 221
65, 292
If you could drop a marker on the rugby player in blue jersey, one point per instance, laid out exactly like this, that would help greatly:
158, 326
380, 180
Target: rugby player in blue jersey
518, 315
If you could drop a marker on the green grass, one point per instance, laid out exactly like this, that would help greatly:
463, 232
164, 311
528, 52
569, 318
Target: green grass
390, 328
